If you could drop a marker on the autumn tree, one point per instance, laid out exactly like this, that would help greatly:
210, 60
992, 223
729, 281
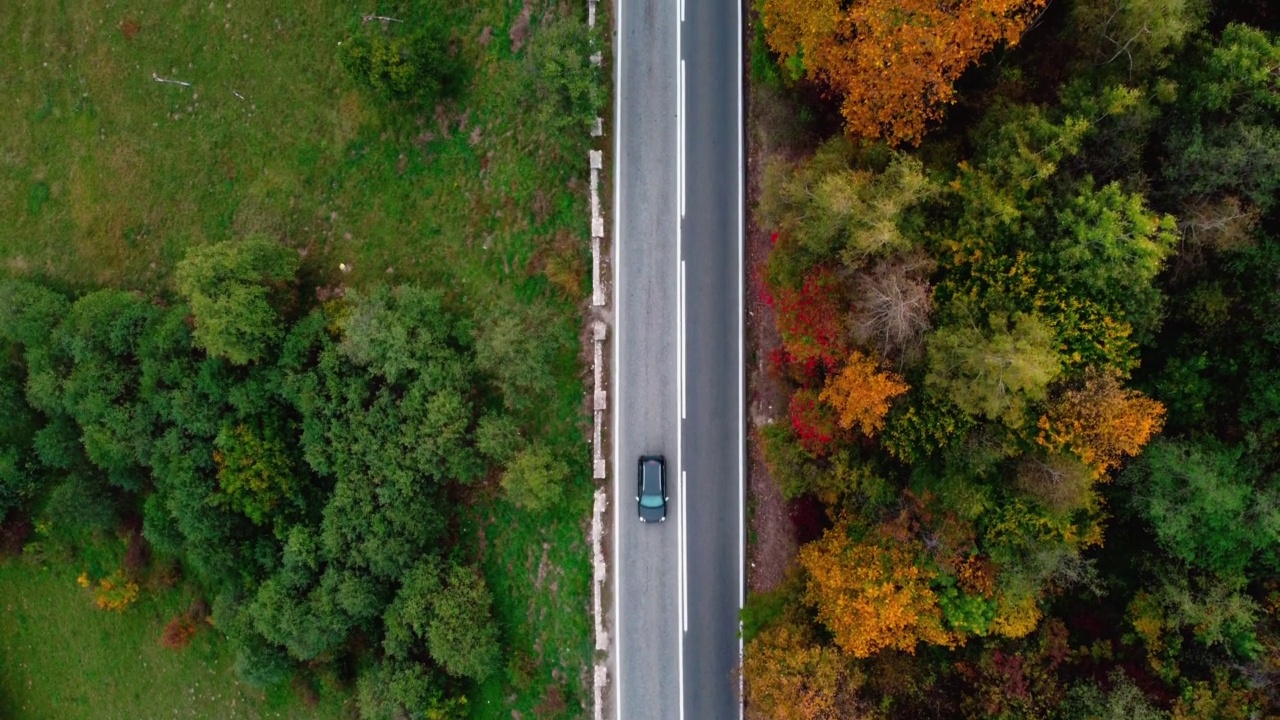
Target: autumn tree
871, 597
861, 393
995, 372
1101, 422
790, 676
892, 62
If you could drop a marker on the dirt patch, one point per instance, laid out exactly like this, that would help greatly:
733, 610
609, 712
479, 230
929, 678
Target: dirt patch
519, 32
130, 28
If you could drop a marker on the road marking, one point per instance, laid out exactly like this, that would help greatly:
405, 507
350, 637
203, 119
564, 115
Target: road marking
682, 293
684, 562
680, 340
617, 357
742, 441
680, 117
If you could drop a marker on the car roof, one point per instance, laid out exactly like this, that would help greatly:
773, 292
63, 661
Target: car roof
651, 467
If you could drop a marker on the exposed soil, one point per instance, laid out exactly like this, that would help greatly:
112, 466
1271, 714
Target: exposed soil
772, 546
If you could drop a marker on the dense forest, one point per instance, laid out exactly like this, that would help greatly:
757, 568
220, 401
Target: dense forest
1025, 270
305, 470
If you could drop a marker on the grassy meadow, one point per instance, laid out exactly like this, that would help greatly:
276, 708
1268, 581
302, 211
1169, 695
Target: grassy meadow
61, 657
108, 175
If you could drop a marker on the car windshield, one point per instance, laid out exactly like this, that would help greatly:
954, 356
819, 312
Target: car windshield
651, 501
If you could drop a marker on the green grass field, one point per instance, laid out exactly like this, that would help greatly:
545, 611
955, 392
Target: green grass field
107, 177
61, 657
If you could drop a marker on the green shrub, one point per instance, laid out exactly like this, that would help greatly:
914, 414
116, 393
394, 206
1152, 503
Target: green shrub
564, 89
535, 478
402, 61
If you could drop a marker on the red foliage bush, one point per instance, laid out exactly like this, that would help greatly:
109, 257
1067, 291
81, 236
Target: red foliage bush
810, 319
808, 373
814, 422
178, 632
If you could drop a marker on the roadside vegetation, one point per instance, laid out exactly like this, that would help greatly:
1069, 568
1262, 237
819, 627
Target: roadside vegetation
1022, 282
289, 356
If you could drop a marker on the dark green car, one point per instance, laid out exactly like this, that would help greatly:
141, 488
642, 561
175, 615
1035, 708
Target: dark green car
651, 488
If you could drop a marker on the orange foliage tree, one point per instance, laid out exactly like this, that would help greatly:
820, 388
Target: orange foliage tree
788, 676
871, 597
861, 393
1101, 422
892, 61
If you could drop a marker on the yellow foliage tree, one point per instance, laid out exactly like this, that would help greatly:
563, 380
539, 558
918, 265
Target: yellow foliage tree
892, 61
871, 597
861, 394
788, 676
1101, 422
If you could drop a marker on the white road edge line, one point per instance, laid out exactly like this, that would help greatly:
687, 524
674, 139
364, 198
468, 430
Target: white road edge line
680, 341
680, 113
683, 342
617, 357
684, 561
742, 427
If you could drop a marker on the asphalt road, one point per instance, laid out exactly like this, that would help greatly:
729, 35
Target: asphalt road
714, 424
646, 677
678, 385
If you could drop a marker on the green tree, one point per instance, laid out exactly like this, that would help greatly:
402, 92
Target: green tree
498, 437
394, 689
255, 472
1109, 248
995, 372
1139, 35
1205, 504
535, 478
20, 481
1222, 135
409, 615
826, 206
462, 635
101, 386
1121, 700
229, 286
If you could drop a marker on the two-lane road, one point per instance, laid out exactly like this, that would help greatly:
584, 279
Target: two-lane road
678, 369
